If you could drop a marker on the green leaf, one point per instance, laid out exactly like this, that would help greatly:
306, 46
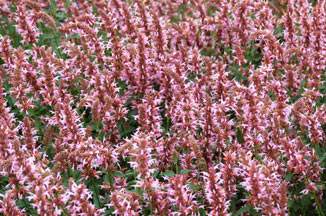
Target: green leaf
185, 171
65, 182
202, 212
169, 173
242, 210
53, 7
240, 136
106, 178
109, 212
46, 36
67, 3
288, 176
279, 29
182, 6
155, 174
290, 203
131, 184
130, 174
192, 186
20, 203
61, 16
253, 51
97, 204
322, 158
118, 174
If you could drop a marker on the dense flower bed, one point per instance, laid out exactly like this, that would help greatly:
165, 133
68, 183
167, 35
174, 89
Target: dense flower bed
165, 107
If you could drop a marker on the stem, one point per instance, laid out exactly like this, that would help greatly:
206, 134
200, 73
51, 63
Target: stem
3, 29
96, 192
256, 152
26, 203
167, 124
109, 174
197, 189
320, 211
64, 212
56, 43
110, 179
150, 203
70, 172
135, 177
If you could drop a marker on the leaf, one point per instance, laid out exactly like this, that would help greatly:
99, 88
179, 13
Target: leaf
110, 211
202, 212
46, 36
106, 178
61, 15
239, 136
130, 174
65, 182
290, 203
253, 51
97, 204
155, 174
131, 184
279, 29
242, 210
322, 158
67, 3
118, 174
192, 186
53, 7
288, 176
169, 173
20, 203
185, 171
182, 7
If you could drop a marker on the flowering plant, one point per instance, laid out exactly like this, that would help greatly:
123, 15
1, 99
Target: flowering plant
129, 107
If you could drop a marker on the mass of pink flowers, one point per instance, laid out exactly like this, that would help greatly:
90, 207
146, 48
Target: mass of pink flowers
162, 107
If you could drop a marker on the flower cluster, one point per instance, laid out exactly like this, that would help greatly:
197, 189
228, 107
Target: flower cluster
199, 107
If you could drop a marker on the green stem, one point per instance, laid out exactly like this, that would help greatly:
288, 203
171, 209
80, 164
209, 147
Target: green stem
64, 212
197, 189
167, 124
71, 172
320, 211
26, 203
96, 192
135, 177
256, 152
150, 203
110, 179
109, 173
56, 43
3, 29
